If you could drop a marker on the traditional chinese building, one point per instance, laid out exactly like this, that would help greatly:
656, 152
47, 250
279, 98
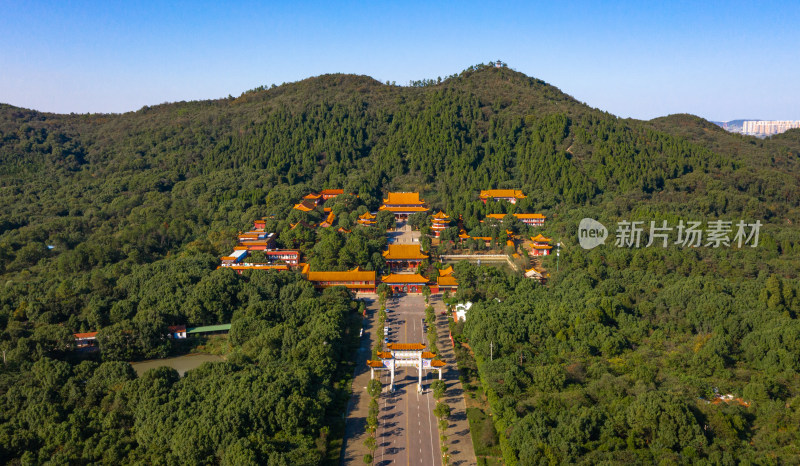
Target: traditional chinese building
535, 220
446, 281
403, 204
403, 256
85, 340
256, 241
541, 245
313, 197
306, 205
330, 193
405, 282
360, 281
510, 195
535, 274
328, 220
260, 225
439, 223
406, 355
367, 219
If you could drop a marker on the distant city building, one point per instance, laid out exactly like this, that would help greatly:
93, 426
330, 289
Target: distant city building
768, 128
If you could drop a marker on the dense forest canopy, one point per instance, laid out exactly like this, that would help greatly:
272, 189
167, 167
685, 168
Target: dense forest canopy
116, 223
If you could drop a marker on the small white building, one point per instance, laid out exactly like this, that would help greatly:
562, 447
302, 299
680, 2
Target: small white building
461, 311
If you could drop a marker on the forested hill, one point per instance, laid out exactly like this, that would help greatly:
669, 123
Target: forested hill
116, 223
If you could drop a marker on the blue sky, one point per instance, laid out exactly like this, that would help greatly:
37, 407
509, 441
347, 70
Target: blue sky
717, 60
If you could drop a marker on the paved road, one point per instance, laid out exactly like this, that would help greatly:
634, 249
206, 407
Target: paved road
407, 430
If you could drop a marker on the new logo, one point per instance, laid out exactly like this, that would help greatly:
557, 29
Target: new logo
591, 233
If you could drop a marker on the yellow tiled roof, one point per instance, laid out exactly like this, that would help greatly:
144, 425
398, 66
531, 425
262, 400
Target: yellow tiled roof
540, 238
493, 193
404, 278
404, 252
403, 199
403, 209
405, 346
447, 280
355, 275
446, 271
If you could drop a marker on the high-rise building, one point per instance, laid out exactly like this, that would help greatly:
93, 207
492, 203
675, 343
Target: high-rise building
768, 128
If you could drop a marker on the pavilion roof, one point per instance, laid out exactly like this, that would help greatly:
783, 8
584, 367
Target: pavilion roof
403, 199
312, 196
328, 220
447, 280
438, 363
494, 193
441, 216
384, 354
404, 252
305, 206
446, 271
367, 216
374, 363
404, 278
540, 238
428, 355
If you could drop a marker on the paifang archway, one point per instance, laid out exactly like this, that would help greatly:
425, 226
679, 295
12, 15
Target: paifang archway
405, 355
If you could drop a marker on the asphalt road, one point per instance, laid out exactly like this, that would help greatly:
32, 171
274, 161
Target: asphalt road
407, 431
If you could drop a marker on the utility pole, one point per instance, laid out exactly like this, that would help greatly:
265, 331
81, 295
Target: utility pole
558, 254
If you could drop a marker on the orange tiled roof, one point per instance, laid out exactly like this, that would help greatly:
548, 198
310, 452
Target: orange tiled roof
403, 199
374, 363
438, 363
530, 216
540, 238
404, 209
428, 355
447, 280
541, 246
494, 193
384, 355
446, 271
355, 275
305, 206
404, 278
332, 192
86, 335
404, 252
441, 216
405, 346
342, 230
312, 196
367, 216
328, 220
